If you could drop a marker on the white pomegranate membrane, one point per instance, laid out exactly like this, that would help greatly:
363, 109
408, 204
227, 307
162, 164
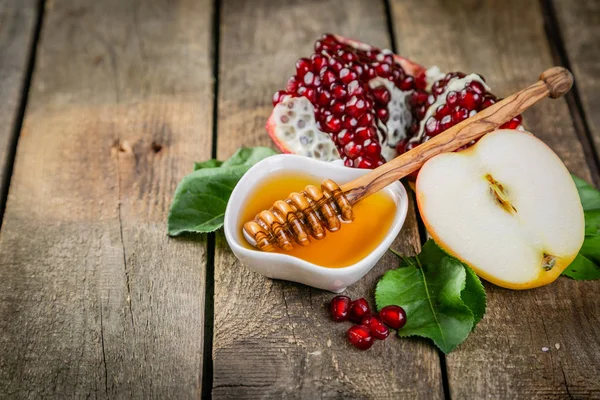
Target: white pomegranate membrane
353, 101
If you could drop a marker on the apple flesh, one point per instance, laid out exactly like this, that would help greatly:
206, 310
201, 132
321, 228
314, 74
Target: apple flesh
507, 207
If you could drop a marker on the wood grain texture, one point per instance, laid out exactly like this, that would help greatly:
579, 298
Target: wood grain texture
579, 22
503, 359
17, 31
274, 339
95, 299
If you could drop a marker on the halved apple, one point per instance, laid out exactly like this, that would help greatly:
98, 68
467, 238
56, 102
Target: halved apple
507, 207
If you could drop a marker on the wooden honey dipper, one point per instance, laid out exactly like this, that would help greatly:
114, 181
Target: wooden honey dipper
315, 210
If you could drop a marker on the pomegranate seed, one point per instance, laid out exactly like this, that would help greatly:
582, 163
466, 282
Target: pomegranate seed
460, 115
362, 134
328, 77
318, 62
442, 110
339, 307
323, 96
363, 163
378, 329
355, 106
338, 108
477, 87
347, 76
445, 123
349, 122
348, 162
369, 74
372, 149
366, 119
487, 101
303, 66
512, 124
352, 150
392, 316
359, 309
381, 95
333, 124
469, 99
452, 99
401, 146
338, 91
355, 89
382, 114
292, 84
360, 336
335, 65
382, 69
343, 138
310, 94
279, 96
432, 126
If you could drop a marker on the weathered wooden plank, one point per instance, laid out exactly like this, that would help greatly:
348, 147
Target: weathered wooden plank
274, 339
95, 299
579, 22
503, 359
17, 31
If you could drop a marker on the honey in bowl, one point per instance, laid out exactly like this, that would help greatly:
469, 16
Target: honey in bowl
373, 218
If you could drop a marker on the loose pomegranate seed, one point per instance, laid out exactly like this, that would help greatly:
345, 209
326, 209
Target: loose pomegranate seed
378, 329
339, 307
359, 309
360, 336
392, 316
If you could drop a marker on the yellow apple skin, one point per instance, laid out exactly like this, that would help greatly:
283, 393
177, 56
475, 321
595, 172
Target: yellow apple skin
544, 278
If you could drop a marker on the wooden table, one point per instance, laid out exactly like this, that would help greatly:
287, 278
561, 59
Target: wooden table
105, 106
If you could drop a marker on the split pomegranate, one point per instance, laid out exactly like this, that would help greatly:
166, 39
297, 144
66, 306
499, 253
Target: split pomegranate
353, 101
359, 309
339, 308
393, 316
378, 329
360, 336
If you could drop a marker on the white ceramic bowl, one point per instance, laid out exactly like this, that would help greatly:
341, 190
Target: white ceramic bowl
283, 266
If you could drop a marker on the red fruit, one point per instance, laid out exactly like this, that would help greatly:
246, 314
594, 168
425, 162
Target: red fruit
336, 80
393, 316
378, 329
339, 307
359, 309
360, 336
352, 85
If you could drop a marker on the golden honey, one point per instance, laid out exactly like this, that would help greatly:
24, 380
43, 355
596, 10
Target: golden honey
373, 217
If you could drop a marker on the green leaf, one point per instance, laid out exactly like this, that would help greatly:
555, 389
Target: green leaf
474, 295
586, 265
201, 197
207, 164
249, 156
590, 197
437, 292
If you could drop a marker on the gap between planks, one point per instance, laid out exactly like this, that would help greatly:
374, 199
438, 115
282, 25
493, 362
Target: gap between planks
11, 150
576, 110
209, 285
